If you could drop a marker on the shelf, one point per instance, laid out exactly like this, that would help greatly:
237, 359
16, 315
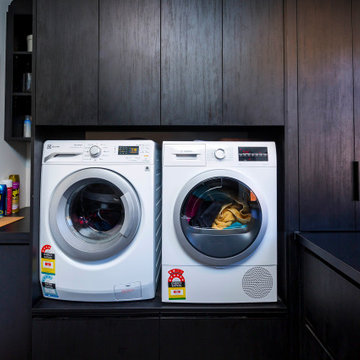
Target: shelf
15, 138
21, 94
154, 307
22, 52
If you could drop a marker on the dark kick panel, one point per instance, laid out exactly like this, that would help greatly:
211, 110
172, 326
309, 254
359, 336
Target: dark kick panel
253, 153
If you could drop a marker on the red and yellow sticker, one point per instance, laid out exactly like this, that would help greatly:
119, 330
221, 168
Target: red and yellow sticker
176, 285
47, 260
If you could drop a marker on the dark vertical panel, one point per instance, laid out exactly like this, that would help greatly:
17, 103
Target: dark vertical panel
67, 62
356, 60
15, 305
331, 307
326, 140
291, 190
291, 119
253, 62
191, 65
129, 62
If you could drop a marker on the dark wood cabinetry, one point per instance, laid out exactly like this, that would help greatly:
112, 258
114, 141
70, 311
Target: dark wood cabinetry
67, 40
253, 62
160, 337
356, 62
15, 302
107, 62
95, 338
330, 311
129, 63
326, 121
223, 338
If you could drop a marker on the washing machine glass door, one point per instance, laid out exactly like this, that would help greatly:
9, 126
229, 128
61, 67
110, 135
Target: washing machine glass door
94, 214
219, 219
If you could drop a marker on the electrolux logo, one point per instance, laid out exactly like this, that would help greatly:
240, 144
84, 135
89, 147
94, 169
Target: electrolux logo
51, 146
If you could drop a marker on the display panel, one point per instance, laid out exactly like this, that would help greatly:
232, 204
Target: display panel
128, 150
253, 153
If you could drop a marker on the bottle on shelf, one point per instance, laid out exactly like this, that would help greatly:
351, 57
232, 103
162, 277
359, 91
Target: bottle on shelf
8, 206
27, 126
15, 193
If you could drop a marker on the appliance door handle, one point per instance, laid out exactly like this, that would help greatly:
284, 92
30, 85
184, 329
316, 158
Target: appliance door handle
64, 155
356, 181
187, 155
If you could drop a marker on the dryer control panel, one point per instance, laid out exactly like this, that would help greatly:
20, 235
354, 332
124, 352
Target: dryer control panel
225, 154
106, 151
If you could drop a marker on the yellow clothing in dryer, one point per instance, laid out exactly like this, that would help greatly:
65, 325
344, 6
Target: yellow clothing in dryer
230, 213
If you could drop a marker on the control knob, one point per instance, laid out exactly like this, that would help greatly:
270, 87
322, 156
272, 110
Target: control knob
95, 151
219, 154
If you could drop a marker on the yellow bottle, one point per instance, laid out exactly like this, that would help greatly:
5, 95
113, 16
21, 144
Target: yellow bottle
15, 193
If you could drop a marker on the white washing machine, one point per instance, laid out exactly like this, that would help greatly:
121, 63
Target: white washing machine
219, 238
100, 220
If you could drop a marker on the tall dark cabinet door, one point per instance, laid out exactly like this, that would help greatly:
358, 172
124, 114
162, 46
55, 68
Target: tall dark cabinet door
15, 302
67, 62
356, 59
253, 62
129, 68
325, 100
191, 62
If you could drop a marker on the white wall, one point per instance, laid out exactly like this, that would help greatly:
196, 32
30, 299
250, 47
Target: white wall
14, 159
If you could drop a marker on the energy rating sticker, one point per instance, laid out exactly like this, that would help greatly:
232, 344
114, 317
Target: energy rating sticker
176, 285
48, 286
47, 260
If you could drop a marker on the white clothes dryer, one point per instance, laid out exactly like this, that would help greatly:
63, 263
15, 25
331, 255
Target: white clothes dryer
219, 222
100, 212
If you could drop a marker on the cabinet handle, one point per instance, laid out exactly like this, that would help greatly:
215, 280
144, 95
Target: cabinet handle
356, 184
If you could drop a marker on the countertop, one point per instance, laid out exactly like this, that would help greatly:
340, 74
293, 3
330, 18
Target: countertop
339, 249
18, 232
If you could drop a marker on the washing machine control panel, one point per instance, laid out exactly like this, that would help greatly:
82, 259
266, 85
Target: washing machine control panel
117, 153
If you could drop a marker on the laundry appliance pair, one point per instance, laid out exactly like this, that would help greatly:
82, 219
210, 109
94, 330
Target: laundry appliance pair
100, 221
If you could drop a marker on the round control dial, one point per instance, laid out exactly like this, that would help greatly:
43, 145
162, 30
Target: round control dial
95, 151
219, 154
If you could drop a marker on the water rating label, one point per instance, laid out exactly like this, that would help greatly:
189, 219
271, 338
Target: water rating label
48, 286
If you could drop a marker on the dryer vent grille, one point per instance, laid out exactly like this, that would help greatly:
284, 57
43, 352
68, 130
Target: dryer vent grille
257, 282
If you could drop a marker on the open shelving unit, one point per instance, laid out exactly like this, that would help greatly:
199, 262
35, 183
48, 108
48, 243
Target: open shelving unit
18, 63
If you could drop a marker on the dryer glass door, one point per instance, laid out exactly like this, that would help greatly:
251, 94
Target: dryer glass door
220, 220
94, 214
